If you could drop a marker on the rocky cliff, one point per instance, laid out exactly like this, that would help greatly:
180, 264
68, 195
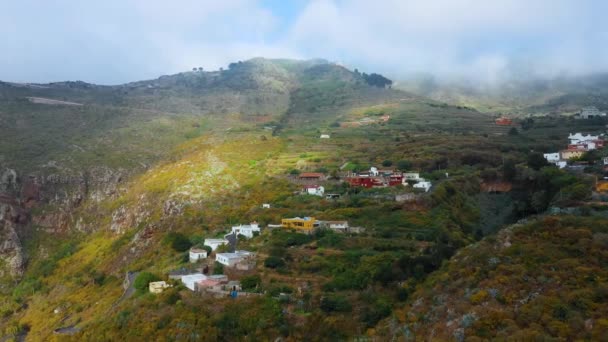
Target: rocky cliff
60, 192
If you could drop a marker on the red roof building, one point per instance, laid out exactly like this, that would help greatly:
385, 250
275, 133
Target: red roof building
504, 121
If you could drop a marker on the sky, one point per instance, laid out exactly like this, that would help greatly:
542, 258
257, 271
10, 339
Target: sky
118, 41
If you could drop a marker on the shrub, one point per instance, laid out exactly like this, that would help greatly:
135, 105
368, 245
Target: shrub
536, 161
387, 163
274, 262
251, 282
218, 268
404, 165
335, 304
142, 281
178, 241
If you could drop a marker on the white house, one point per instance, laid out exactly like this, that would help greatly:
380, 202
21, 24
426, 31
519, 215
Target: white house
425, 185
411, 176
190, 280
215, 243
246, 230
266, 206
316, 190
373, 171
231, 259
605, 160
552, 157
338, 226
197, 254
579, 138
561, 164
590, 112
324, 136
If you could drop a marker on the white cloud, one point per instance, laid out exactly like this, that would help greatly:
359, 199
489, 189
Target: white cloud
124, 40
477, 37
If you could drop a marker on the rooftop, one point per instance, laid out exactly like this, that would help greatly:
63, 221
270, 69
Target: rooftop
311, 175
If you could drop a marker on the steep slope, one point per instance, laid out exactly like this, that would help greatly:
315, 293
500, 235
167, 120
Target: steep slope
541, 280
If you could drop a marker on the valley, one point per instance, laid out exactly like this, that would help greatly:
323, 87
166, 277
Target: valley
145, 171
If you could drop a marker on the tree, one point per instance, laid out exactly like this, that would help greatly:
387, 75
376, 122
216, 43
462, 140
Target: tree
143, 280
536, 161
251, 282
513, 131
193, 69
335, 303
178, 241
387, 163
218, 268
377, 80
274, 262
404, 165
508, 170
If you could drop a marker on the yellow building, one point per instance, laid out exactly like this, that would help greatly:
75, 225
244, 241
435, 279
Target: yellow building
601, 186
305, 224
571, 154
158, 286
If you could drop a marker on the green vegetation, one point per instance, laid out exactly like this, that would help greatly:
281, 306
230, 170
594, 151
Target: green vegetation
179, 242
238, 138
142, 281
536, 281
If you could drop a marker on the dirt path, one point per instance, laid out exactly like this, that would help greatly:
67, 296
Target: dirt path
42, 100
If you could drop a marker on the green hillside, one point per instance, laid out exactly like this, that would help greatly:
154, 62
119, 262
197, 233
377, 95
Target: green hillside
131, 176
544, 280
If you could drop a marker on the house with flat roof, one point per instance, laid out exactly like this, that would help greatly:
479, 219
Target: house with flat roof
231, 259
571, 154
212, 282
423, 185
215, 243
197, 254
315, 190
589, 112
190, 280
247, 230
337, 226
304, 224
158, 286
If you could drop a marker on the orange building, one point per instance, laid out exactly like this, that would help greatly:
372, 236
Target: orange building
601, 186
303, 224
502, 121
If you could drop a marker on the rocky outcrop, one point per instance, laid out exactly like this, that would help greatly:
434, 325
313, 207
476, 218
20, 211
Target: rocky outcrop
12, 220
60, 189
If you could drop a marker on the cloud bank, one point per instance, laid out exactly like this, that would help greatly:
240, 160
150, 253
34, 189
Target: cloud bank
117, 41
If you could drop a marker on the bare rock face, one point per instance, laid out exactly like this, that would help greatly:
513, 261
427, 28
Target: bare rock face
8, 181
12, 218
61, 188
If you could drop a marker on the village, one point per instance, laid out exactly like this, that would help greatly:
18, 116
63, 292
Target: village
217, 264
578, 155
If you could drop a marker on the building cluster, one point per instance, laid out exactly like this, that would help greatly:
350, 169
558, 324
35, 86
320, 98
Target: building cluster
589, 112
577, 146
308, 225
366, 121
218, 283
375, 178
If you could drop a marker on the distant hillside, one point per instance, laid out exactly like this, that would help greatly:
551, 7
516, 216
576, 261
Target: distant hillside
564, 95
135, 124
